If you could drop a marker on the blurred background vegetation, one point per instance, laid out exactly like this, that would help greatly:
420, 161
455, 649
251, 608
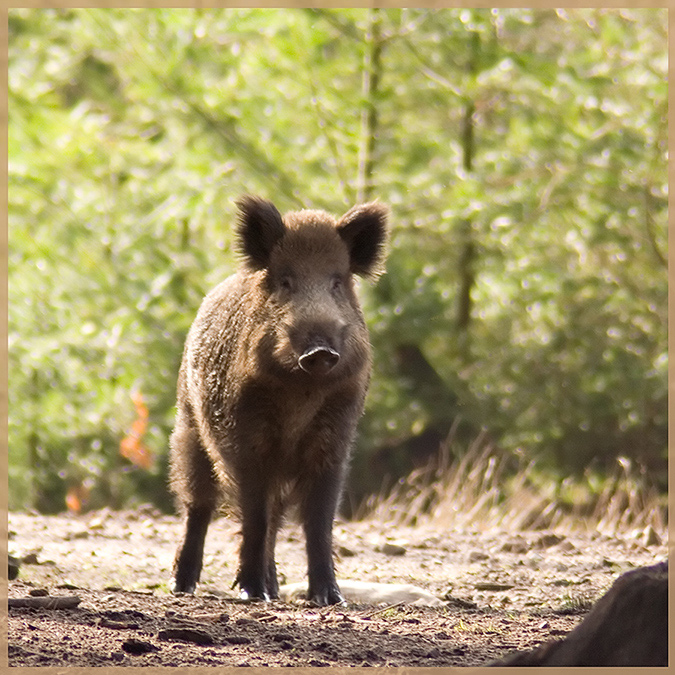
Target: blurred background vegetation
523, 154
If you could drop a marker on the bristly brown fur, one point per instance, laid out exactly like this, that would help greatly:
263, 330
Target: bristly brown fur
273, 379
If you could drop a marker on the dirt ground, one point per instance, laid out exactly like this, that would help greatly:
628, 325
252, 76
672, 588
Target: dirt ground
500, 592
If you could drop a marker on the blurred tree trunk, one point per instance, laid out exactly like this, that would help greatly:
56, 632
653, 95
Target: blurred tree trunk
34, 436
467, 254
424, 383
372, 71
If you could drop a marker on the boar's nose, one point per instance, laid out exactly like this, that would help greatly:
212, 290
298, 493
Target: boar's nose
318, 360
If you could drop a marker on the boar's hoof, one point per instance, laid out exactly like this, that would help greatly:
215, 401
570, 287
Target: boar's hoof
319, 360
326, 596
184, 582
254, 597
183, 588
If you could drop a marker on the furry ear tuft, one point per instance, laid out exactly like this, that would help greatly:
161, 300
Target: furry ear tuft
259, 229
364, 230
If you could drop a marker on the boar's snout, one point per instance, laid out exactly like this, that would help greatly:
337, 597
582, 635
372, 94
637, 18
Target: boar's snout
318, 360
318, 344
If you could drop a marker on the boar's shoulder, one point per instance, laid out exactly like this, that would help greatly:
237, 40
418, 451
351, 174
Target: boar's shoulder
223, 320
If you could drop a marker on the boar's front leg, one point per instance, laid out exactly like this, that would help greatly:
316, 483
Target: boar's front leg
318, 511
276, 511
257, 572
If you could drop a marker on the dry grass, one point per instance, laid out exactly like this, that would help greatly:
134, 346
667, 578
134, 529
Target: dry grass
483, 490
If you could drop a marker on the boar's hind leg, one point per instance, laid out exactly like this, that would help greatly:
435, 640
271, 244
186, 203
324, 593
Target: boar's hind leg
188, 563
318, 511
194, 482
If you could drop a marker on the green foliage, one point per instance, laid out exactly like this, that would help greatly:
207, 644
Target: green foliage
523, 153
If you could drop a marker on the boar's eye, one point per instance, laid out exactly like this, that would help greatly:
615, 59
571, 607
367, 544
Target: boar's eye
336, 283
286, 283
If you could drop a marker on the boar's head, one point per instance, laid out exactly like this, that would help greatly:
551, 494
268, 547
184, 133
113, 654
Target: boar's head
303, 265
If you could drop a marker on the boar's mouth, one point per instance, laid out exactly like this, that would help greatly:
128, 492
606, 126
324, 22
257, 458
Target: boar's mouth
318, 360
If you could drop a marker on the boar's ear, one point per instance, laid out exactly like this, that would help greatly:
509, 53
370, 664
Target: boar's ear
259, 228
364, 229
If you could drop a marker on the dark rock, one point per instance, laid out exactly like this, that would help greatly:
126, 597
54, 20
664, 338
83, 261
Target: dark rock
14, 564
478, 556
548, 540
392, 549
138, 647
628, 626
517, 545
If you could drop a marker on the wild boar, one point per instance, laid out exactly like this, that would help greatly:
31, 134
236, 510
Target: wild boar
272, 383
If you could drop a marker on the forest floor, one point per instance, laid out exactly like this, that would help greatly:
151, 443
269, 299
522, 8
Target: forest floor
496, 592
